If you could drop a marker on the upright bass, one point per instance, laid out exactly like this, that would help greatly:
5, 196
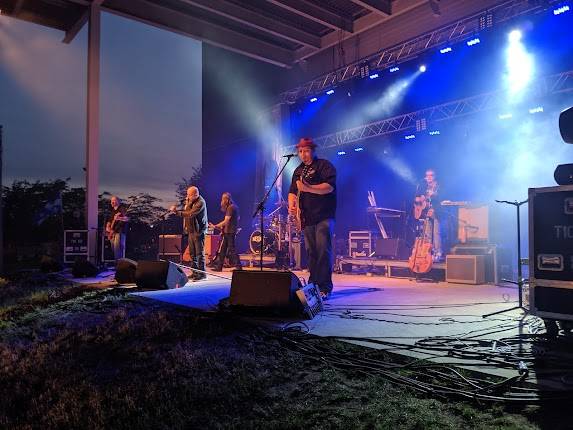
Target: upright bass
421, 259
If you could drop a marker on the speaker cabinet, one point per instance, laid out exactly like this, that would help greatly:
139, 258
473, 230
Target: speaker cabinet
159, 275
83, 269
465, 269
265, 289
125, 271
394, 249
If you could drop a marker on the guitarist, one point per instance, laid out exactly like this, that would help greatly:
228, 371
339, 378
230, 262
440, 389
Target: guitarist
228, 227
425, 206
116, 226
314, 181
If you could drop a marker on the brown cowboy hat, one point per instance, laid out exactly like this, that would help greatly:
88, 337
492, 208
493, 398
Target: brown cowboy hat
305, 142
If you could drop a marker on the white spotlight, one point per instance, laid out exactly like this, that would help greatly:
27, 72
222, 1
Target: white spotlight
514, 36
423, 68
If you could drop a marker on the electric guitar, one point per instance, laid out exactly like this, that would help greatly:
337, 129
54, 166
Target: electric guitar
298, 219
110, 232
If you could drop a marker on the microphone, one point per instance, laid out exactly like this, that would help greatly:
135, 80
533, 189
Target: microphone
289, 155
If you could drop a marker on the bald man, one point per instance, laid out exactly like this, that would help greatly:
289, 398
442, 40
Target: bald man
195, 225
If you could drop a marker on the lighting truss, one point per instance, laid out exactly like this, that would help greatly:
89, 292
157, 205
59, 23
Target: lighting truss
463, 29
552, 84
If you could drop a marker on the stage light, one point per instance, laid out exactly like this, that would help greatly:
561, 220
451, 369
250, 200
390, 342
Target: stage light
434, 132
410, 136
505, 116
312, 100
394, 69
519, 63
422, 68
514, 36
358, 149
537, 109
374, 76
473, 42
560, 10
329, 92
341, 152
445, 50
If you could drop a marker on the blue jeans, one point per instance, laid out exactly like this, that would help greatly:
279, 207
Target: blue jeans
118, 245
318, 243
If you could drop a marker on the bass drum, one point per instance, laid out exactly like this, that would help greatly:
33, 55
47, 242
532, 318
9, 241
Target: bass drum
270, 242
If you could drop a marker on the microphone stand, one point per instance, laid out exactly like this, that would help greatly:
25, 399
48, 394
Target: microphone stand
261, 207
520, 280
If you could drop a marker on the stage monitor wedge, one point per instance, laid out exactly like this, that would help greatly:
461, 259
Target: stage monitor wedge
159, 275
268, 289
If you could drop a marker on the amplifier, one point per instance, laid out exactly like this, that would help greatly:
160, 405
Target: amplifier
360, 243
490, 253
465, 269
551, 252
170, 244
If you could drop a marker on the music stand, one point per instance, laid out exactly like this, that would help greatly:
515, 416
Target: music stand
520, 280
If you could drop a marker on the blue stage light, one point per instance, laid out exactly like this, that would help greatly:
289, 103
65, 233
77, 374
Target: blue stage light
560, 10
537, 109
329, 92
473, 42
312, 100
423, 68
410, 136
434, 132
394, 69
341, 152
445, 50
374, 76
505, 116
358, 149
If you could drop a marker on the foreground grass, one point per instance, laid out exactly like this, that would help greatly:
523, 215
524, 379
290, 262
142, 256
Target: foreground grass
102, 359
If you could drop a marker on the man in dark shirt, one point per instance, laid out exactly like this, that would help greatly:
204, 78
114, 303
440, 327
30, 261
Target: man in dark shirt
313, 190
228, 227
428, 190
195, 225
116, 226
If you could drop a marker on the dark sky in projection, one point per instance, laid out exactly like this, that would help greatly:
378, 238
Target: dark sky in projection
150, 106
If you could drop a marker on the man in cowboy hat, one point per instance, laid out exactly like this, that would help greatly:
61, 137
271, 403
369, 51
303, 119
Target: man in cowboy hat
313, 191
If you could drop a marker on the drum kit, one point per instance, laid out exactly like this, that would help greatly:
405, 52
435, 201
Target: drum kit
277, 232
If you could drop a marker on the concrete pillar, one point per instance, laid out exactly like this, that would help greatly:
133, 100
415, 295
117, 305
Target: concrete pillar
92, 132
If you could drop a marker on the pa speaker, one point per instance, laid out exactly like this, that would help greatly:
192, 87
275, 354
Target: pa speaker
159, 275
125, 271
265, 289
83, 269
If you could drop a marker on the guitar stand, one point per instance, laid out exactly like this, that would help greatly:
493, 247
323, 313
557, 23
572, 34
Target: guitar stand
520, 280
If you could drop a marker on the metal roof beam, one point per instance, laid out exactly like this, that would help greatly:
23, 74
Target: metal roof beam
72, 32
316, 13
257, 20
169, 19
380, 7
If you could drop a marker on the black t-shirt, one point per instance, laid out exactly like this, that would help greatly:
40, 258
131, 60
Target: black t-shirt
316, 207
118, 226
233, 212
